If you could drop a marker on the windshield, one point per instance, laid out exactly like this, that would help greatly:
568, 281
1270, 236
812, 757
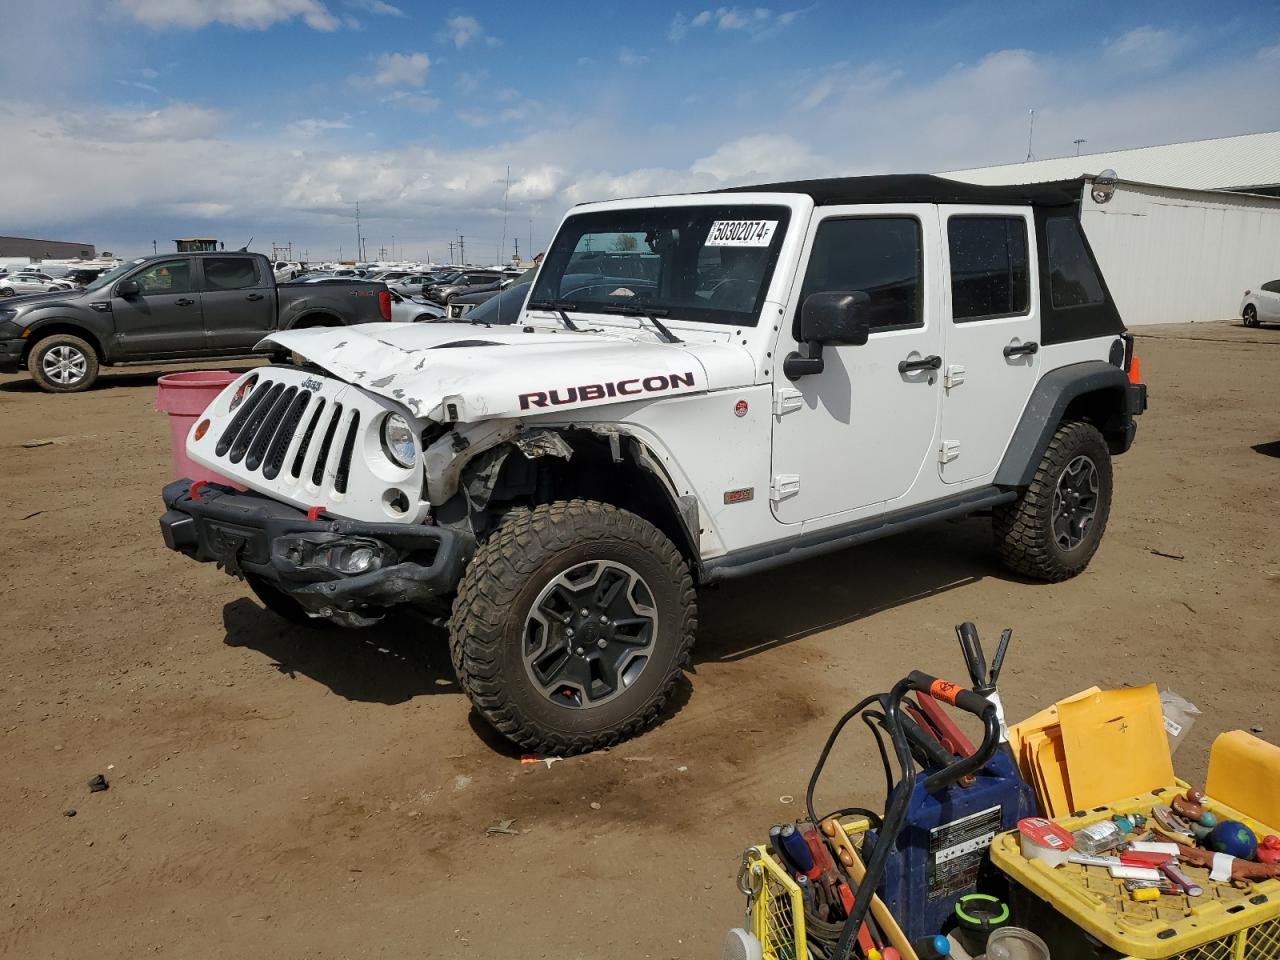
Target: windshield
113, 275
707, 263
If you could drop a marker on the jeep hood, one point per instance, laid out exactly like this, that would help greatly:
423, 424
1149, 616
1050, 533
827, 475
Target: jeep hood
464, 372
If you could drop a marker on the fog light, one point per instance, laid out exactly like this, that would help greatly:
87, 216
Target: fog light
357, 560
201, 429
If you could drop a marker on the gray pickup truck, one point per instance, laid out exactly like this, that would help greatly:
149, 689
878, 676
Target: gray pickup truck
155, 309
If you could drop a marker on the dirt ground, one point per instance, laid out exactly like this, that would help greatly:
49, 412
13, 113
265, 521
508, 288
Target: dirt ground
290, 793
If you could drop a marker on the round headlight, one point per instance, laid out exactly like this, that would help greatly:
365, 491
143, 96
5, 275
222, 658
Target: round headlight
398, 441
242, 391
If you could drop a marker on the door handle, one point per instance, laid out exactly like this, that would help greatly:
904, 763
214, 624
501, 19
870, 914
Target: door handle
928, 363
184, 302
254, 296
1022, 349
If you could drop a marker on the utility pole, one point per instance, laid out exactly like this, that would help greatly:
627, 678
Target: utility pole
1031, 129
1077, 142
359, 239
153, 247
505, 190
393, 246
462, 249
517, 241
451, 251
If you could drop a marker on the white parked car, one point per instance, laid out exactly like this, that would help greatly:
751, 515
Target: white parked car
16, 284
1261, 305
744, 379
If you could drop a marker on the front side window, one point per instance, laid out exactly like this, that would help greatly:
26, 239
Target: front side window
989, 275
1073, 281
166, 276
230, 273
882, 257
710, 264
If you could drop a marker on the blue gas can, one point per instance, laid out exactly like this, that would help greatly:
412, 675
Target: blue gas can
941, 853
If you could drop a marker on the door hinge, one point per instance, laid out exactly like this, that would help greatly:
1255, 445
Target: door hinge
784, 485
948, 451
953, 377
786, 400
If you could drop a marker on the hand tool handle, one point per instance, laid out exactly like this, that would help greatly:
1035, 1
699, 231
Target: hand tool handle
998, 662
971, 647
797, 851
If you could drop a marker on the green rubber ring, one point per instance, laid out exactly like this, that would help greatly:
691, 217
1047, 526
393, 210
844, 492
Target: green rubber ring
980, 922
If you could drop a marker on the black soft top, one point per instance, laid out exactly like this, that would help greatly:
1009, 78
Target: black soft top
921, 188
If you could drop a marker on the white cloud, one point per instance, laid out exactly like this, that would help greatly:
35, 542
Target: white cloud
310, 127
246, 14
1146, 48
761, 156
754, 21
412, 100
629, 58
462, 30
377, 7
178, 123
395, 70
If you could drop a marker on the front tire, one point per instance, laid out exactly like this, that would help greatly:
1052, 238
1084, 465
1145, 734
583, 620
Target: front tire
63, 363
572, 626
1250, 316
1053, 529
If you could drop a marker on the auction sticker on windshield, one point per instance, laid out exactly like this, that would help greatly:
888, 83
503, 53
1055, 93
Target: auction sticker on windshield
741, 233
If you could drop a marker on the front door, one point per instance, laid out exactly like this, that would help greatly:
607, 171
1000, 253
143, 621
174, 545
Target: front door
163, 317
239, 304
859, 432
992, 331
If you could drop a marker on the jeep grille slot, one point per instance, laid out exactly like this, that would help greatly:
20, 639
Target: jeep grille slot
233, 428
317, 474
301, 455
284, 436
344, 461
253, 422
268, 428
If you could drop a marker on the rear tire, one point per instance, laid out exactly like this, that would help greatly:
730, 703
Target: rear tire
572, 626
1053, 529
1251, 316
63, 363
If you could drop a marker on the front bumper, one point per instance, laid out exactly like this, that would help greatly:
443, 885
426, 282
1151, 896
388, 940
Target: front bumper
11, 355
309, 560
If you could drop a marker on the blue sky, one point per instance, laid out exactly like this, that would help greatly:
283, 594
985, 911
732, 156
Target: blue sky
132, 120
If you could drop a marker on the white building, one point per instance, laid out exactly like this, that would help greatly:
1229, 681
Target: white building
1190, 227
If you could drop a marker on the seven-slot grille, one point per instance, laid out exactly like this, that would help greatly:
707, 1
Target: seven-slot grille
263, 428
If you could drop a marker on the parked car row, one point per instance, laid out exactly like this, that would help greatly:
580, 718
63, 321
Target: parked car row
31, 281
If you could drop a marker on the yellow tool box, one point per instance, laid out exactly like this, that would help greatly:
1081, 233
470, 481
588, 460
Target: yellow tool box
1087, 907
777, 906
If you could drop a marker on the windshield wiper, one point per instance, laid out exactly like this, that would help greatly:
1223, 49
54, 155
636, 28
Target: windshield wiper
649, 313
559, 306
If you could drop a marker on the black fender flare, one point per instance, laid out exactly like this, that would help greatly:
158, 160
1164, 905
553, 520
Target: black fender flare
1049, 402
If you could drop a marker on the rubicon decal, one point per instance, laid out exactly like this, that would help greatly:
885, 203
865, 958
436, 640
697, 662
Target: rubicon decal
583, 393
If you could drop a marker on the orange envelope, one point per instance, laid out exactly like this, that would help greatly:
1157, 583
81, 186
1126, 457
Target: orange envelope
1115, 745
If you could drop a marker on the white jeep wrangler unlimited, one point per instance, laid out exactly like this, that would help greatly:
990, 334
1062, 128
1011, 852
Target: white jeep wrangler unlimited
699, 387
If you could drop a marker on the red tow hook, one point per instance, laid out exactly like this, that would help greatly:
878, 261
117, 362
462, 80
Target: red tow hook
196, 488
313, 513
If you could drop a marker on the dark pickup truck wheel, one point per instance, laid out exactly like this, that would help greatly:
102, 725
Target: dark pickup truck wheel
1053, 529
572, 626
63, 363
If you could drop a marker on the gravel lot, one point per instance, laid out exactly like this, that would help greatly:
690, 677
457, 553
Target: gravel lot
284, 792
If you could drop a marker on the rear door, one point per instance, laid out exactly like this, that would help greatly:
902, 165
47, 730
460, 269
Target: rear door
238, 302
164, 316
992, 327
1269, 302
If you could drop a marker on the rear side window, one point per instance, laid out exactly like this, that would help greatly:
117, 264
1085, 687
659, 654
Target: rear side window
1073, 282
881, 256
1272, 287
989, 275
230, 273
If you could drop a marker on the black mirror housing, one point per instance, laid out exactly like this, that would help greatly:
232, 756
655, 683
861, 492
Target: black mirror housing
128, 288
836, 317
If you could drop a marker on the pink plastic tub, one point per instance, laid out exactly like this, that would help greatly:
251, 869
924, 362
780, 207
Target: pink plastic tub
184, 396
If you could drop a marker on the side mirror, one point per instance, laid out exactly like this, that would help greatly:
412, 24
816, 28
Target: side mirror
835, 318
128, 288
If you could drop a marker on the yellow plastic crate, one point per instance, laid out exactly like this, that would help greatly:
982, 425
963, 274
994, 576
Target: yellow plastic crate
1225, 923
777, 905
